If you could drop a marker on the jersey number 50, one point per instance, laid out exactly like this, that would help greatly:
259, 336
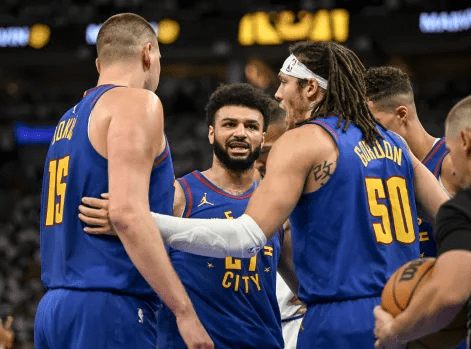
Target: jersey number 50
398, 201
58, 170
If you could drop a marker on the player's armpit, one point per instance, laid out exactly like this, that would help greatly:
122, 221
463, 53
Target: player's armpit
179, 201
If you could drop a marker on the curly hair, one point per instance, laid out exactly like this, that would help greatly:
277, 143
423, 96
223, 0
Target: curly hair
385, 82
346, 93
243, 95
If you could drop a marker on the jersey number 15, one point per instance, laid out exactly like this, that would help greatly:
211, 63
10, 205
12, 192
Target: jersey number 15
58, 170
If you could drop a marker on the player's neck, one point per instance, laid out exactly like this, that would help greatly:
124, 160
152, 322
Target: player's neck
419, 140
233, 182
121, 75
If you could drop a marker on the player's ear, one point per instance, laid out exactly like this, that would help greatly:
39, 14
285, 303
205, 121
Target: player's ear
465, 140
312, 88
263, 139
97, 64
402, 113
146, 56
211, 134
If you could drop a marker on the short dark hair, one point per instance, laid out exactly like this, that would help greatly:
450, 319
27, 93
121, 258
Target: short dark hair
385, 82
243, 95
121, 36
345, 94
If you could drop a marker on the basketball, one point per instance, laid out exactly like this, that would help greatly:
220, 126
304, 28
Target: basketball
398, 292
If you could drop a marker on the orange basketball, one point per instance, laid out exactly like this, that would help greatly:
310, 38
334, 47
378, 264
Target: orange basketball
399, 290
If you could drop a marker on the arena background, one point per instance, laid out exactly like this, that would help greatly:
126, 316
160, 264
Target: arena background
47, 57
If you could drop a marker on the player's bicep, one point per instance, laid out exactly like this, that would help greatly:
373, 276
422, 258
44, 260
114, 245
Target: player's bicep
282, 186
133, 142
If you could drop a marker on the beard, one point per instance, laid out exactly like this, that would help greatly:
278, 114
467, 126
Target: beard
236, 164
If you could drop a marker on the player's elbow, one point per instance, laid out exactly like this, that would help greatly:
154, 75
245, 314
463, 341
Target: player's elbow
122, 217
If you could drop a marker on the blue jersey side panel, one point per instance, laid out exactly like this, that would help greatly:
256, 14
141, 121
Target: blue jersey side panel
71, 258
235, 299
355, 231
433, 161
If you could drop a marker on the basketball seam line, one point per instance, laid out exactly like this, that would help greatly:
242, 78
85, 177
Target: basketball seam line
394, 292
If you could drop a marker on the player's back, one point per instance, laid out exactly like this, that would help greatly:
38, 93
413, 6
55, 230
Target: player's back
433, 161
235, 299
70, 258
356, 230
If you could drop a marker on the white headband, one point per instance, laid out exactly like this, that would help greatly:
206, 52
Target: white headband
293, 67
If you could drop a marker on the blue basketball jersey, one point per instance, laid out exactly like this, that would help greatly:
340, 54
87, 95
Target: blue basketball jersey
350, 235
70, 258
235, 299
433, 161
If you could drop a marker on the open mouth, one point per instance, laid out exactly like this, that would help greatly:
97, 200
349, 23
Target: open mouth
238, 147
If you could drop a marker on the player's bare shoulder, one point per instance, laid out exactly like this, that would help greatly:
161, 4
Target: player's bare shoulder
132, 103
313, 148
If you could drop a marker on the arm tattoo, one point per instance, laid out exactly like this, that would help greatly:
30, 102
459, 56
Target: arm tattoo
324, 171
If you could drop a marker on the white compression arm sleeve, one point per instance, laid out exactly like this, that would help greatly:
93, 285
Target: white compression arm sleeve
240, 237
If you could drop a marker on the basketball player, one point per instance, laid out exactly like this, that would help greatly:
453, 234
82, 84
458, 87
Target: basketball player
391, 100
439, 300
291, 308
102, 290
237, 292
6, 334
348, 185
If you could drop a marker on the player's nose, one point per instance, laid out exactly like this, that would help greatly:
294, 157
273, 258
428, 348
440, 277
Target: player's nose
240, 131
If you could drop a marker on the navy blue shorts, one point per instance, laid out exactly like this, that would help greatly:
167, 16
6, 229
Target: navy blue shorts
339, 325
72, 319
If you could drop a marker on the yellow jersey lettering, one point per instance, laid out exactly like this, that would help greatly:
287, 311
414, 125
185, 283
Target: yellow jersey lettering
59, 129
397, 155
389, 152
361, 156
423, 236
225, 282
369, 151
64, 130
267, 251
71, 131
228, 214
246, 282
233, 264
364, 151
379, 152
256, 281
253, 263
419, 220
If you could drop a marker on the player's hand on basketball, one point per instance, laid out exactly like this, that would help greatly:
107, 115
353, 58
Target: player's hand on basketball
193, 333
95, 214
384, 332
6, 334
